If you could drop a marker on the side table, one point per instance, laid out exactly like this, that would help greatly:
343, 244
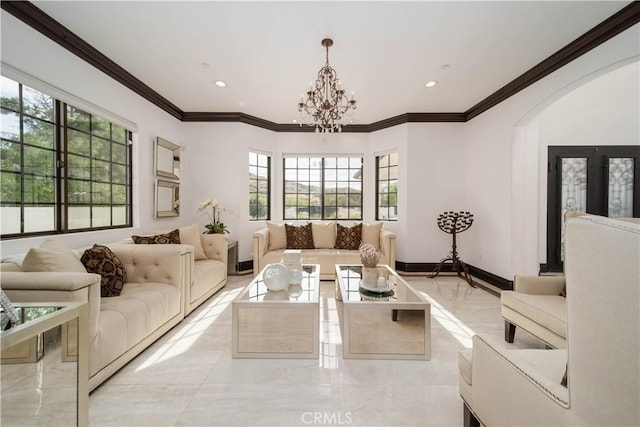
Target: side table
36, 393
232, 258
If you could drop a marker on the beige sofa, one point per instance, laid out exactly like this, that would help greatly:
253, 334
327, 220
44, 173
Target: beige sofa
150, 304
510, 387
207, 265
266, 252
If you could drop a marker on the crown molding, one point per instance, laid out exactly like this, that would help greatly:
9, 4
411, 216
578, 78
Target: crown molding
34, 17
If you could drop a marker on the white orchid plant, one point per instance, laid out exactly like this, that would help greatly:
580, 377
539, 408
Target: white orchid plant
215, 226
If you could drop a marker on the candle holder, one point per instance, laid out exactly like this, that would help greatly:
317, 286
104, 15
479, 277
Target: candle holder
453, 223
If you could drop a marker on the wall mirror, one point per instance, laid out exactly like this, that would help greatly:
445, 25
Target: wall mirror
167, 198
167, 156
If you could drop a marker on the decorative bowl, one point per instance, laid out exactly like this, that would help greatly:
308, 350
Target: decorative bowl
275, 277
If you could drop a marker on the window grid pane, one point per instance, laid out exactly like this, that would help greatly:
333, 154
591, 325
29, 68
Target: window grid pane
96, 158
323, 188
387, 187
259, 187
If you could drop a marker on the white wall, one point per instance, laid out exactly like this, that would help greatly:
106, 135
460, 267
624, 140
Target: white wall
489, 166
56, 66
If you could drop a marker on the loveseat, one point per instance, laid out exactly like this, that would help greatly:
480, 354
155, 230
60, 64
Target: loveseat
270, 243
120, 327
206, 265
509, 387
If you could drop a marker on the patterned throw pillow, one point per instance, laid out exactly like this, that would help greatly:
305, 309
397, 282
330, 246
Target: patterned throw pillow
299, 237
100, 260
349, 237
159, 239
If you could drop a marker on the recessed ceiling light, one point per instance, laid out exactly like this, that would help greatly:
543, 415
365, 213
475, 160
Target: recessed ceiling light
432, 83
205, 65
220, 83
446, 66
294, 121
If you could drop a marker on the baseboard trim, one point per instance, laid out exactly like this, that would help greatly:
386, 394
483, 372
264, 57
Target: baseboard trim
428, 267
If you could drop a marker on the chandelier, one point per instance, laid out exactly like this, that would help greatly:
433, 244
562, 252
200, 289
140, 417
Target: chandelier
326, 102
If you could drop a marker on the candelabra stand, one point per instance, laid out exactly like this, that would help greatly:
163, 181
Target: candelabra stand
453, 223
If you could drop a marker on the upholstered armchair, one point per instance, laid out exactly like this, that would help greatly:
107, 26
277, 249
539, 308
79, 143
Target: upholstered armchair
535, 305
511, 387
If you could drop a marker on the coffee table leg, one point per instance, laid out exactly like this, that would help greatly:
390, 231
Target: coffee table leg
394, 315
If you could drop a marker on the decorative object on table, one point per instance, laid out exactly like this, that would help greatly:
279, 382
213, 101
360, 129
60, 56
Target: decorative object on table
292, 259
9, 310
453, 223
371, 279
326, 102
294, 290
275, 277
215, 226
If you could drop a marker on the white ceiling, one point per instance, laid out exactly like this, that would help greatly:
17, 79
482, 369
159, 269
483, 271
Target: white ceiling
268, 52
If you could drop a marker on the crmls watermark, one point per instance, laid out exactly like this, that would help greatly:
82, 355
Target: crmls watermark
327, 418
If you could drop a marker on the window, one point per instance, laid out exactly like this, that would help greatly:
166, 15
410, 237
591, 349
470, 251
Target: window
387, 187
40, 135
259, 187
323, 188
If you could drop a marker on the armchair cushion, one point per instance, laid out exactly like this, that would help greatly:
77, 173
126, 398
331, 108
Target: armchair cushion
349, 237
100, 260
52, 256
190, 235
158, 239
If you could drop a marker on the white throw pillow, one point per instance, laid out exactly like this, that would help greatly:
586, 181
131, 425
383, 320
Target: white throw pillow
324, 235
371, 234
277, 236
191, 236
52, 256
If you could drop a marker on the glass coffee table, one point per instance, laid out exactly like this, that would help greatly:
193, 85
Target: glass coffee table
382, 325
282, 324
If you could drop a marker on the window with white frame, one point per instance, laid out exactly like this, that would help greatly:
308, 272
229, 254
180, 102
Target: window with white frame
323, 187
387, 187
259, 186
62, 169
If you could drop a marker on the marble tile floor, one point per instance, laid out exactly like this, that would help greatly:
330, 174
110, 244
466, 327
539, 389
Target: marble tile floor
188, 378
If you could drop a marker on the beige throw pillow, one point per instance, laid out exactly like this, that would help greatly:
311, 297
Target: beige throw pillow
277, 236
52, 256
190, 235
371, 234
324, 235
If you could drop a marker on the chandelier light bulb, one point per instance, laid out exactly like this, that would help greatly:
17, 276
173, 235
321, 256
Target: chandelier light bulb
326, 103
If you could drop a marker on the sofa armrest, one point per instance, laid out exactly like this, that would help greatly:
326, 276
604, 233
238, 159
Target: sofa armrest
509, 389
388, 246
55, 287
154, 263
216, 246
260, 248
539, 285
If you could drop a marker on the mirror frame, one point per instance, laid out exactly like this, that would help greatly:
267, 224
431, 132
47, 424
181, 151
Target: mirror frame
175, 188
163, 148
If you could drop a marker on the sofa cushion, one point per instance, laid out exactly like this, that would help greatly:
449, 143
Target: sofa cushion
549, 311
324, 235
100, 260
371, 234
349, 237
191, 236
277, 236
207, 275
464, 364
158, 239
52, 256
299, 237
